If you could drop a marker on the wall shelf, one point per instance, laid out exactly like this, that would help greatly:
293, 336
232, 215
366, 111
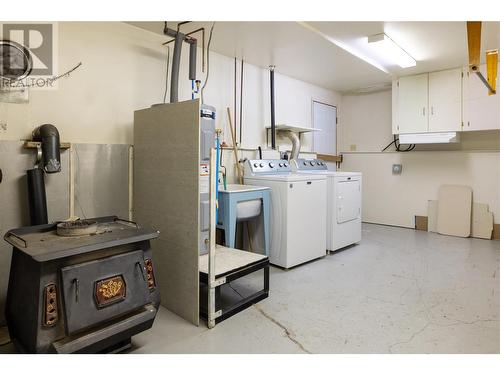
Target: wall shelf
35, 145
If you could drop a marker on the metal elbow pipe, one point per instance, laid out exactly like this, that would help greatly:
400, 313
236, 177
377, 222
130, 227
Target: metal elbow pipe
295, 144
48, 136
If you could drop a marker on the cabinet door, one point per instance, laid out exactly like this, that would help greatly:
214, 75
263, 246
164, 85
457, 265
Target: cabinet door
348, 200
445, 100
412, 104
481, 111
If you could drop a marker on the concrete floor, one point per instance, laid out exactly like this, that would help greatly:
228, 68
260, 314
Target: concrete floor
399, 291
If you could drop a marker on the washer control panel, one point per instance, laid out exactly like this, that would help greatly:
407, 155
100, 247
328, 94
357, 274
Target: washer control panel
267, 166
309, 165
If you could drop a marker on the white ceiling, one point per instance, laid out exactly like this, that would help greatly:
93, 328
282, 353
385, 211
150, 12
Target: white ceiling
305, 51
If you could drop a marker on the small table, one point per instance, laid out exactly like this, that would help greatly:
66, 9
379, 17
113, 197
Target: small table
230, 265
228, 202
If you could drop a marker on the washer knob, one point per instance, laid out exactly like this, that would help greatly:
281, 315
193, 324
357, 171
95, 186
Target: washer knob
305, 163
271, 165
261, 165
281, 165
285, 165
255, 165
312, 163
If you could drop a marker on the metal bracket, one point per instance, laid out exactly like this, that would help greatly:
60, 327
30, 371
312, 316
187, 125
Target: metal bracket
218, 282
217, 314
485, 81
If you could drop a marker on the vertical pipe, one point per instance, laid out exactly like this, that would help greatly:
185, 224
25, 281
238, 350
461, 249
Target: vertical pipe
241, 102
131, 183
217, 162
211, 250
235, 98
273, 120
37, 198
72, 181
193, 46
176, 62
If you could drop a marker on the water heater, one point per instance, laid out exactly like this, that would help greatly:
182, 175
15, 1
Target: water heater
207, 142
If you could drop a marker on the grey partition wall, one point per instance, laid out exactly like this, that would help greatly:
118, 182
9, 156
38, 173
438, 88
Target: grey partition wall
166, 197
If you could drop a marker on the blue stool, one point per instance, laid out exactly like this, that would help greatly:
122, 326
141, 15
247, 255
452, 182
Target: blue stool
228, 203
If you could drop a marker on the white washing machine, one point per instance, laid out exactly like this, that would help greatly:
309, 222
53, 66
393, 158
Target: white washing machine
344, 202
298, 211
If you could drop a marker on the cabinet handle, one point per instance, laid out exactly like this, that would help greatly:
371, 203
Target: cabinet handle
423, 111
432, 110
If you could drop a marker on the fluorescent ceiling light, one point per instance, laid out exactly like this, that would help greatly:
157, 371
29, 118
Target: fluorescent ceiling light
390, 52
344, 46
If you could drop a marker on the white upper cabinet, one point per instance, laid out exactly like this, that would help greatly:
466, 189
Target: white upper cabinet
481, 111
445, 100
430, 102
412, 104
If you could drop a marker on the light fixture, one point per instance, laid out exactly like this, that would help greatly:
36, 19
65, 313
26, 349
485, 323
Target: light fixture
423, 138
390, 52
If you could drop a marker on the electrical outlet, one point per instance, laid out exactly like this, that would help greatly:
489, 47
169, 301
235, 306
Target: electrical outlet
353, 148
397, 168
3, 127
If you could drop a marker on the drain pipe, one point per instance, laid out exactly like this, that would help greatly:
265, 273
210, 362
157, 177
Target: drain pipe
295, 144
273, 120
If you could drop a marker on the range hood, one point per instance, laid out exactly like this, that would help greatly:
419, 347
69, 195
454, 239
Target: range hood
426, 138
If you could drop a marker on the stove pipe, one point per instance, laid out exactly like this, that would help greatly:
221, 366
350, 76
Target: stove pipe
37, 198
48, 135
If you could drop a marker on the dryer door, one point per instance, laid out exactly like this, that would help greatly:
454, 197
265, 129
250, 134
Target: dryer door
348, 199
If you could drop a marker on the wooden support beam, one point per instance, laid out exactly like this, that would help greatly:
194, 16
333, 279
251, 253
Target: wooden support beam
491, 69
332, 158
474, 44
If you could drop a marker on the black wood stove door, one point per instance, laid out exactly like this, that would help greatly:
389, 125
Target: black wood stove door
102, 289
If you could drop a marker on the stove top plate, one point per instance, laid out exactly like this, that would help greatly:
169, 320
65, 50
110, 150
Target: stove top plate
43, 244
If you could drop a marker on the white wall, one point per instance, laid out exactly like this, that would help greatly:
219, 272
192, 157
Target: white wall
124, 70
365, 121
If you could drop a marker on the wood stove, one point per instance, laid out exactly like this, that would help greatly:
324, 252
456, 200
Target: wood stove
83, 291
